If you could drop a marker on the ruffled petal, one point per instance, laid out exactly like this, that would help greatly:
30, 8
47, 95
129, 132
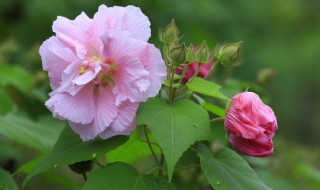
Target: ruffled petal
55, 59
109, 132
241, 126
152, 60
129, 19
89, 75
72, 31
79, 108
106, 110
261, 147
130, 80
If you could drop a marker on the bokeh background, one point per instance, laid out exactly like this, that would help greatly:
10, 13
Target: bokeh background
280, 61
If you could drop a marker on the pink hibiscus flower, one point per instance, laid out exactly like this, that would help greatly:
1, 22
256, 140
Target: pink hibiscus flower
250, 125
100, 69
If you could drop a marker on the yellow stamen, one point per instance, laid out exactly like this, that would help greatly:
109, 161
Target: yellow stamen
81, 70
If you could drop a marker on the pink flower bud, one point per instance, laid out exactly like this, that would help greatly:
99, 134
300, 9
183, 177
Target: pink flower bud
250, 125
192, 67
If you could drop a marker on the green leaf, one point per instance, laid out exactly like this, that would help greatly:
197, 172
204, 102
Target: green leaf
16, 76
132, 150
167, 83
5, 101
29, 166
227, 170
175, 127
205, 87
28, 133
214, 109
69, 149
6, 181
121, 176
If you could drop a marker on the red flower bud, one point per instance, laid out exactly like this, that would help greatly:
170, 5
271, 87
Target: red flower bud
250, 125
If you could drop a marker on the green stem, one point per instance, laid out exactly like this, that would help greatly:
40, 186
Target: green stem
171, 94
150, 147
84, 175
184, 88
161, 164
217, 119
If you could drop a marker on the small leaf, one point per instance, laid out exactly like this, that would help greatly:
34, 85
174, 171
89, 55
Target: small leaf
121, 176
6, 181
132, 150
69, 149
26, 132
175, 127
227, 170
202, 86
167, 83
214, 109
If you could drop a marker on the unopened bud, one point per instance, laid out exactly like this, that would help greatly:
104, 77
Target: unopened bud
178, 55
190, 54
266, 76
203, 54
82, 167
170, 33
228, 54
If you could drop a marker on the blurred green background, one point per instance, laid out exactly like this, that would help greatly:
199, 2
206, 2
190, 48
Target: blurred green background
281, 40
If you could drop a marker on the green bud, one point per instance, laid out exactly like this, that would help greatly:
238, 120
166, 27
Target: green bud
170, 33
178, 55
266, 76
203, 54
190, 55
82, 167
228, 54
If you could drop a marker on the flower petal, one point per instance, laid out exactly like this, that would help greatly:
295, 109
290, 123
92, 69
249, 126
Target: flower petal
72, 31
252, 147
152, 60
79, 108
55, 58
129, 19
130, 80
89, 75
106, 110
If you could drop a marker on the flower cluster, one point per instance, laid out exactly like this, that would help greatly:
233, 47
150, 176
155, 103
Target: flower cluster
100, 69
251, 125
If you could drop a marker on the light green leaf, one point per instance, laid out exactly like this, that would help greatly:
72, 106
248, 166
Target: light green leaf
205, 87
29, 133
121, 176
214, 109
69, 149
227, 170
175, 127
15, 76
6, 181
132, 150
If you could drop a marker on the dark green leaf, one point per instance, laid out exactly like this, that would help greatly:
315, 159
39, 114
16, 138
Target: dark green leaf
69, 149
227, 170
5, 101
6, 181
121, 176
175, 127
199, 85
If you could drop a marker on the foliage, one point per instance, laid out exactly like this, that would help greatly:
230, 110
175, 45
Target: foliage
278, 35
